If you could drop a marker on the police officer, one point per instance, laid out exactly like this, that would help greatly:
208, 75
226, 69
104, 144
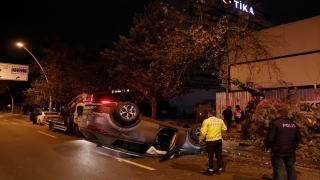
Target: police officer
210, 134
283, 138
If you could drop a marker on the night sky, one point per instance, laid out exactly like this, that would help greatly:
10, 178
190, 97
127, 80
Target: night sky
286, 11
80, 23
96, 23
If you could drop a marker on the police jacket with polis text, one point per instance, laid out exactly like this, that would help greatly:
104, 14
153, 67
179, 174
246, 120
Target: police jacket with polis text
283, 136
211, 129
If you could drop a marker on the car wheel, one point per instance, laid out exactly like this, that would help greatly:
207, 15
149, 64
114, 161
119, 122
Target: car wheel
195, 131
76, 131
127, 112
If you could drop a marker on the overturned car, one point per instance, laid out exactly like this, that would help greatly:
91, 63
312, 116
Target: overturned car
119, 126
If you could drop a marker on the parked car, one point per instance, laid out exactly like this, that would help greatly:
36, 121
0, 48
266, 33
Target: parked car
44, 115
119, 126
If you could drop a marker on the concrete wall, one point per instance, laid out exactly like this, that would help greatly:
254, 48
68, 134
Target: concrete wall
297, 56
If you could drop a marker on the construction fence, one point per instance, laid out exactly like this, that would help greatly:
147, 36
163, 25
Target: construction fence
242, 98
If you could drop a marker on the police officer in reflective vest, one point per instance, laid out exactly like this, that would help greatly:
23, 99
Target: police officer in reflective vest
210, 135
283, 138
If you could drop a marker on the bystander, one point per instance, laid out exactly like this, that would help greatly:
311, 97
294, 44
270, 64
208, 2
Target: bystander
227, 115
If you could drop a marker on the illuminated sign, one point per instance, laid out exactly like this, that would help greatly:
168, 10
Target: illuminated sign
240, 5
243, 7
120, 91
16, 72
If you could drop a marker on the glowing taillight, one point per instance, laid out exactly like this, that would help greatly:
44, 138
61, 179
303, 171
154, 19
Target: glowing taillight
105, 102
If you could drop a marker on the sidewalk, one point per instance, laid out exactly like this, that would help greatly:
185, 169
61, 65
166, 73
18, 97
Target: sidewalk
233, 140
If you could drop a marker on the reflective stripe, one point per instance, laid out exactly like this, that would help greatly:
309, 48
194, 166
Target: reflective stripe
214, 137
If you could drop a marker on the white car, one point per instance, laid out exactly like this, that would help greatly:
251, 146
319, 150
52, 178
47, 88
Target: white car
44, 115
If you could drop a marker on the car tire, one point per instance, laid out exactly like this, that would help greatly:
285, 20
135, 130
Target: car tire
127, 112
195, 131
76, 131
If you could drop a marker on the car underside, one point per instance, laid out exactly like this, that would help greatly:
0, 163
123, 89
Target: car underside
119, 126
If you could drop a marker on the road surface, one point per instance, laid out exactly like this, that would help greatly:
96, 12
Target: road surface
33, 152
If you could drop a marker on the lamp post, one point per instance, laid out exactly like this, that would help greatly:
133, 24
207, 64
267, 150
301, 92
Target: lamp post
21, 45
9, 106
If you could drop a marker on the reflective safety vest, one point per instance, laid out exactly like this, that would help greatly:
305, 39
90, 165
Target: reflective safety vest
211, 129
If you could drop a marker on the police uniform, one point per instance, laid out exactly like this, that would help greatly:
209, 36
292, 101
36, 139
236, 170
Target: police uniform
211, 133
283, 138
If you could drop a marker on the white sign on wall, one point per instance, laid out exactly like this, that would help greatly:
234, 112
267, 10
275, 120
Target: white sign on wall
15, 72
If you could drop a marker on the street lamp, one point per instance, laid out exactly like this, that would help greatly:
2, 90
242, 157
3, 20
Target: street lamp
21, 45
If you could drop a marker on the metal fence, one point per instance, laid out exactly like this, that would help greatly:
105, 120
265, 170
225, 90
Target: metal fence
243, 97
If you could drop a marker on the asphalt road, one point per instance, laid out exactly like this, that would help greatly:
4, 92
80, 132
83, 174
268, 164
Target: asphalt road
33, 152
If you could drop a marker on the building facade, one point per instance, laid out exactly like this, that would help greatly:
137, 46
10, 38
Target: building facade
297, 58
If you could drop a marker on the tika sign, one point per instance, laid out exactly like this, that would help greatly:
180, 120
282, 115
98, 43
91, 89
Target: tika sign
15, 72
240, 5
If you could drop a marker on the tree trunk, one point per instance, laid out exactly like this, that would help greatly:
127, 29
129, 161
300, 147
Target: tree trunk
153, 108
257, 96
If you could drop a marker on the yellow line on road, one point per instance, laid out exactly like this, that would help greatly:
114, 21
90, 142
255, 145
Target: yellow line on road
47, 134
127, 161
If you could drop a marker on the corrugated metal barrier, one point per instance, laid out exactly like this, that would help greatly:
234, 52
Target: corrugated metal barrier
243, 97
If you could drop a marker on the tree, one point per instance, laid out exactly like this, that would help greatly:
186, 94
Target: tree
309, 123
153, 60
70, 72
232, 39
36, 94
257, 97
11, 92
160, 45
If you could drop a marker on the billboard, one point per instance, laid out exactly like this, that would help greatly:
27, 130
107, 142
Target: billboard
15, 72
